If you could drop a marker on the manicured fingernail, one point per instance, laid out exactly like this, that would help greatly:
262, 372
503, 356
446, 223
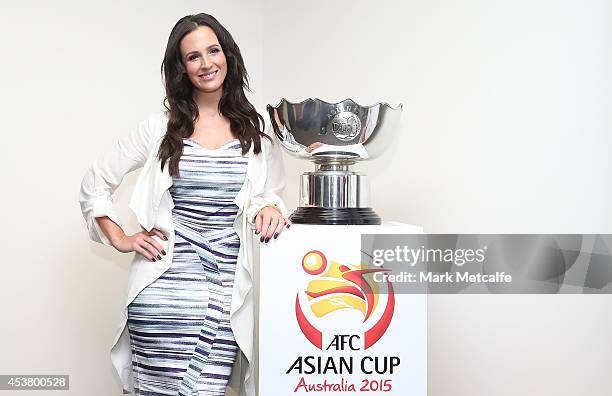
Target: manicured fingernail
275, 235
267, 239
165, 238
261, 239
153, 259
164, 252
158, 257
256, 232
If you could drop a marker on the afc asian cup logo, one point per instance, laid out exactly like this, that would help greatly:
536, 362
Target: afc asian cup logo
345, 126
342, 286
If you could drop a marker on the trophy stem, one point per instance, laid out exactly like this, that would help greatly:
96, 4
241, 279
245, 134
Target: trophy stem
334, 195
327, 167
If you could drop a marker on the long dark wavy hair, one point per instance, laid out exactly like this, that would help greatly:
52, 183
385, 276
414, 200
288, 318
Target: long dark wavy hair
245, 122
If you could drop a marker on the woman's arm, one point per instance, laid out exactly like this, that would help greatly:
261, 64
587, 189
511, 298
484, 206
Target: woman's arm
141, 242
102, 179
110, 229
267, 212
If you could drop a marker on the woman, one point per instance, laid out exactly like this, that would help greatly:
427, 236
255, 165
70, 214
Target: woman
210, 177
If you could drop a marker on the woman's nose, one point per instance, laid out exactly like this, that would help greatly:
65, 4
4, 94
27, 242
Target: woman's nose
206, 62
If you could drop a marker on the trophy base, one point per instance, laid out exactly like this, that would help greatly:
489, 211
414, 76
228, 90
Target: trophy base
335, 216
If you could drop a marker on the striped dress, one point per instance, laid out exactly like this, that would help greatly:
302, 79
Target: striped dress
180, 334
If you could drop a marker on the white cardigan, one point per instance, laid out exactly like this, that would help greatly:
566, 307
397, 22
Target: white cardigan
152, 204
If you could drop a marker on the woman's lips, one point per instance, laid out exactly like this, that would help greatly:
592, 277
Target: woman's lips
209, 76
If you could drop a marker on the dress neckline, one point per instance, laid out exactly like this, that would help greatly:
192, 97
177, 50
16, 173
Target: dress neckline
211, 149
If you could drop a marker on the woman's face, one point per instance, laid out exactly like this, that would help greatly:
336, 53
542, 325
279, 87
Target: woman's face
204, 60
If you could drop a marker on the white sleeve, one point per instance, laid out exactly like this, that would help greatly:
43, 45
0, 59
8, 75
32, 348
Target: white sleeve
275, 178
106, 173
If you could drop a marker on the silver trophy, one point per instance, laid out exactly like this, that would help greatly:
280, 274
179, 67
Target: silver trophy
334, 136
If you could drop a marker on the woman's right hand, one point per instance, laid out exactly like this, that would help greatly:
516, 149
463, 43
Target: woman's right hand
142, 243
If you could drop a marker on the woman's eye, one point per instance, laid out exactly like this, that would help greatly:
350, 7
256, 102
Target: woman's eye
192, 57
214, 50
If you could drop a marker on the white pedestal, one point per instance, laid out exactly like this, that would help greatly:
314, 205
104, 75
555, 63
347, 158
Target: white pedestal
315, 324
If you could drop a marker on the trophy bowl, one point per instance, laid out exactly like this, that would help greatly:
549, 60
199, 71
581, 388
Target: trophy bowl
334, 136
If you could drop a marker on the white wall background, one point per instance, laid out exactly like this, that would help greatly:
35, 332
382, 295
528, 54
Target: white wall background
506, 120
506, 129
